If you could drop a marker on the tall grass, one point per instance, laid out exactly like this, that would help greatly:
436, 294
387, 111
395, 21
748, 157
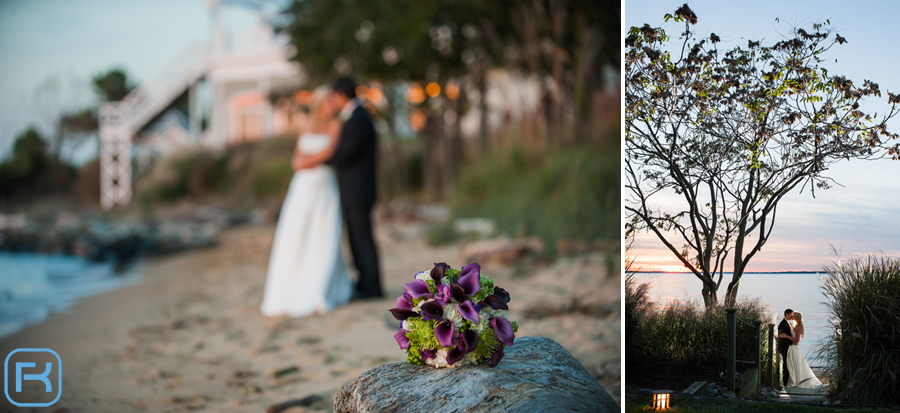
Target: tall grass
864, 350
684, 333
253, 171
637, 307
569, 193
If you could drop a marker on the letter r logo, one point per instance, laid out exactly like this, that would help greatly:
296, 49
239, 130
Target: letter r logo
23, 367
42, 377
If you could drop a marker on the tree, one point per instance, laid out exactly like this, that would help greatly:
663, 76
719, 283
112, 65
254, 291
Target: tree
726, 134
569, 41
113, 85
31, 170
458, 41
76, 126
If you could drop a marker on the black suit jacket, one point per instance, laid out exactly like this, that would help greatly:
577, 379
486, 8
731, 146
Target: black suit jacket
784, 343
354, 160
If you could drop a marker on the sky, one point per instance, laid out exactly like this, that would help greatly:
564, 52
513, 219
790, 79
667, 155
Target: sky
50, 50
859, 218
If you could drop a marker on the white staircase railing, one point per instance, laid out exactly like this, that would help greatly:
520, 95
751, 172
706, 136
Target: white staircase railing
120, 121
151, 97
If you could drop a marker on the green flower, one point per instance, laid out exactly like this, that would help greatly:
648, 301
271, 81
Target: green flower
421, 334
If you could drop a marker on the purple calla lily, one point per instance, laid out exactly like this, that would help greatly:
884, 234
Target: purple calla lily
444, 333
404, 303
495, 358
494, 302
503, 329
426, 354
418, 289
440, 268
501, 293
454, 355
443, 293
432, 309
402, 314
467, 310
457, 292
401, 338
469, 342
470, 278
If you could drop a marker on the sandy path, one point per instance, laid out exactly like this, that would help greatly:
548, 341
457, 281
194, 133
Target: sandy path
191, 337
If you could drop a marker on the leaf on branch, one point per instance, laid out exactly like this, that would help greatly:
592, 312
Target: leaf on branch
686, 12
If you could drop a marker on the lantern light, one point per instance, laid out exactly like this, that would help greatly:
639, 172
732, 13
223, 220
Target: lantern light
417, 120
452, 91
661, 399
374, 95
433, 89
415, 94
361, 90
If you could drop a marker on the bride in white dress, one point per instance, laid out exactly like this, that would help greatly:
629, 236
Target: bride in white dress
306, 273
800, 373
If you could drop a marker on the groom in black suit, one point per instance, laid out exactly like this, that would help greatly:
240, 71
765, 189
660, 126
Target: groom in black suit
784, 327
354, 162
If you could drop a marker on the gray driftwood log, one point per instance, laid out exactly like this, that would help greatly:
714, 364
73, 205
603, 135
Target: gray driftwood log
536, 375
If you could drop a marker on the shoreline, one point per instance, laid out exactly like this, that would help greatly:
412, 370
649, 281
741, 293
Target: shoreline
65, 281
190, 335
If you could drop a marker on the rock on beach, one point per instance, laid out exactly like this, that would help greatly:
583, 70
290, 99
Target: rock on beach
536, 374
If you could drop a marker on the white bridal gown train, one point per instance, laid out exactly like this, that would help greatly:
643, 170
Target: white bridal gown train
801, 375
306, 272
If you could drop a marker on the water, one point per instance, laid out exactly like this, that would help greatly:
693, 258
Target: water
34, 286
777, 291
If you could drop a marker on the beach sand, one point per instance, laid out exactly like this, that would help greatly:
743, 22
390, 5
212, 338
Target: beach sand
190, 336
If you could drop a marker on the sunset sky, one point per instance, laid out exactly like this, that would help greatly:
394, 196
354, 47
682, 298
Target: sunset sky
863, 216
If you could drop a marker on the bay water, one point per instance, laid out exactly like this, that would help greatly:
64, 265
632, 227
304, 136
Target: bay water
35, 286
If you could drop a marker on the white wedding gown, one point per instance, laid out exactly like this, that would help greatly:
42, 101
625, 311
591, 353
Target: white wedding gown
306, 272
800, 373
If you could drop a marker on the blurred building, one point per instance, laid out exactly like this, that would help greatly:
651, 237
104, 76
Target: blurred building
211, 96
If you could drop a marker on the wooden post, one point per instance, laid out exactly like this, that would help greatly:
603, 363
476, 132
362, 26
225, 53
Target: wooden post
758, 354
730, 348
773, 376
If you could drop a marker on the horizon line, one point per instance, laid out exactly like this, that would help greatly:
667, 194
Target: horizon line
732, 272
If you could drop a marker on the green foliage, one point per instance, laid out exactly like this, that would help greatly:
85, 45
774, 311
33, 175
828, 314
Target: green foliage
637, 307
488, 343
82, 121
113, 85
442, 233
448, 35
683, 333
863, 296
421, 333
413, 356
487, 288
273, 178
569, 194
729, 131
251, 172
31, 170
640, 403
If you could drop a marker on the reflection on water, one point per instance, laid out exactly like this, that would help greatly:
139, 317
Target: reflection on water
33, 286
777, 291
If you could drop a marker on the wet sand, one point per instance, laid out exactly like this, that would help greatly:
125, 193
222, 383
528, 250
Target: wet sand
190, 336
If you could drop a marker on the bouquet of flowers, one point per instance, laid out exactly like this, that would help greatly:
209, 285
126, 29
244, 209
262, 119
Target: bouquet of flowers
451, 318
